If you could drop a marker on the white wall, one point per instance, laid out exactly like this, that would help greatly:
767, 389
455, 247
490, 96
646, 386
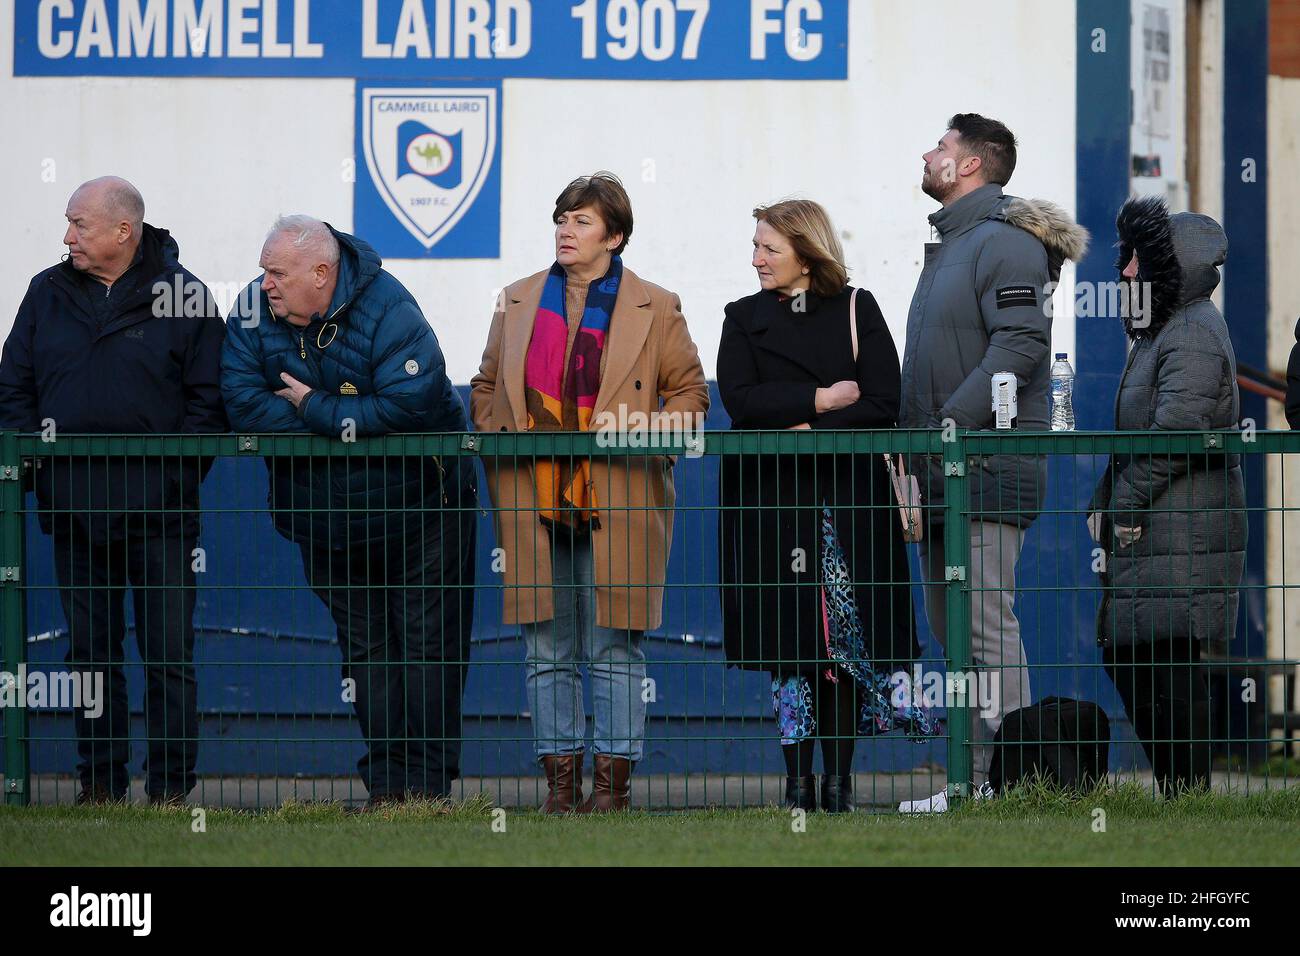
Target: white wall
1209, 196
1284, 309
217, 159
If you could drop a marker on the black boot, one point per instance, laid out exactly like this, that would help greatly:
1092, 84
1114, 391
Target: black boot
837, 793
800, 793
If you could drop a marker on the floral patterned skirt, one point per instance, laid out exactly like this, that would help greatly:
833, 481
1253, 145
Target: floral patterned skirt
882, 709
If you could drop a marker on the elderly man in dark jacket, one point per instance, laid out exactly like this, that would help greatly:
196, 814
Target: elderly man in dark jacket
120, 338
326, 341
1174, 526
982, 306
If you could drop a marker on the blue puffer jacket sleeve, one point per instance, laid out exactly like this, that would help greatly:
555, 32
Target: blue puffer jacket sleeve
408, 370
251, 403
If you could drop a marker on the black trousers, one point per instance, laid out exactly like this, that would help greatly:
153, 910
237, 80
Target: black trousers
93, 576
404, 609
1167, 695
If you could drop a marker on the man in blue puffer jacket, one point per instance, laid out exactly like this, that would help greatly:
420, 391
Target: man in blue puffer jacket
326, 341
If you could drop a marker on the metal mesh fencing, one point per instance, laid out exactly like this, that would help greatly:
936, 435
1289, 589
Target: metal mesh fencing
397, 617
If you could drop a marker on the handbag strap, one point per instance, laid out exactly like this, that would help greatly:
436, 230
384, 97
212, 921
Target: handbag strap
853, 336
896, 467
853, 323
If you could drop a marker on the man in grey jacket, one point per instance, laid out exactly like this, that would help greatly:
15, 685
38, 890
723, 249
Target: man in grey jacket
983, 306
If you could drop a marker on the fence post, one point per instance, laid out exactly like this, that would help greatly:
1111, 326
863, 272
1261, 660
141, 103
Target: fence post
956, 573
13, 634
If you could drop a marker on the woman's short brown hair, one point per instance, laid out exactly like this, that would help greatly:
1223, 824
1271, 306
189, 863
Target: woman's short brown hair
605, 192
812, 237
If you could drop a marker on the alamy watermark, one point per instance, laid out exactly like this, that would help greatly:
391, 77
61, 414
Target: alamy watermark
981, 690
62, 690
1120, 299
75, 908
638, 429
180, 297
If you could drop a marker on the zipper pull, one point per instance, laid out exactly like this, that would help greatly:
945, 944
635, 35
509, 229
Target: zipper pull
302, 346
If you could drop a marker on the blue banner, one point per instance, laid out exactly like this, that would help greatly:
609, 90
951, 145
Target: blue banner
423, 39
429, 169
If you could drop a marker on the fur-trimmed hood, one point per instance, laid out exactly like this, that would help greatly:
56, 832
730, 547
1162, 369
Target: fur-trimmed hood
1061, 236
1178, 255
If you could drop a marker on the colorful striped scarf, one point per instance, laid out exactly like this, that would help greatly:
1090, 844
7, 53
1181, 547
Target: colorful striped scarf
561, 399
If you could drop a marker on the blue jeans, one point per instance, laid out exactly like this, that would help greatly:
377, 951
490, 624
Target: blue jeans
556, 648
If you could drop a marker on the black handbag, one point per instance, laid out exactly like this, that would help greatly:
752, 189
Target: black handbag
1064, 740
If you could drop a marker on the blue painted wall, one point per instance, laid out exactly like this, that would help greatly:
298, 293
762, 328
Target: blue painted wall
1245, 274
1102, 107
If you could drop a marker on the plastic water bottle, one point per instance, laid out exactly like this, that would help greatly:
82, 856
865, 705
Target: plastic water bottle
1062, 394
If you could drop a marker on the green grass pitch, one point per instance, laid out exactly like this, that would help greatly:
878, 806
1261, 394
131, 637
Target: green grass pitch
1035, 827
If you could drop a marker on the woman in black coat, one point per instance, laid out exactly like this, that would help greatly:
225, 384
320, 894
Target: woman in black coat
786, 360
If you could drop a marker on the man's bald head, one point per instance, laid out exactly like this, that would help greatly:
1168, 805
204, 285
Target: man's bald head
105, 224
116, 198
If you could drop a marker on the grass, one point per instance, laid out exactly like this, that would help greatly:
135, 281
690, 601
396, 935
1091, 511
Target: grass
1034, 826
1282, 767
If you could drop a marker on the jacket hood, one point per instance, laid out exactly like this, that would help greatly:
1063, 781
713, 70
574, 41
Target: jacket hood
158, 243
1061, 236
1201, 246
359, 264
1178, 255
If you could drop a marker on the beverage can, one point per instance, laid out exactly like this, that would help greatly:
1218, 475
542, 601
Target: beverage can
1004, 400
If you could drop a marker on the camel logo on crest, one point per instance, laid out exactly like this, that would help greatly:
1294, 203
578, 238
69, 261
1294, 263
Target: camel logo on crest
429, 152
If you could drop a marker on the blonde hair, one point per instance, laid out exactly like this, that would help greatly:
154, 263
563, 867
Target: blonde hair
812, 237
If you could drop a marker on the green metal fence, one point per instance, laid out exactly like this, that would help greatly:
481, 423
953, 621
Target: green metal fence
727, 750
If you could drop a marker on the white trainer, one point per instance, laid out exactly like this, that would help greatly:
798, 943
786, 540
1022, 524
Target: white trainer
939, 802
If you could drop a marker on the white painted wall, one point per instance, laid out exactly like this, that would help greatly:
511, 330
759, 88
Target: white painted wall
1284, 309
1209, 197
217, 159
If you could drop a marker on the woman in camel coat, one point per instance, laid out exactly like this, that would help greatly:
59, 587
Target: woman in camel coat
579, 347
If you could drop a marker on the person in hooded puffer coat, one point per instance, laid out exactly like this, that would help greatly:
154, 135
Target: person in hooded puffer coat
1174, 526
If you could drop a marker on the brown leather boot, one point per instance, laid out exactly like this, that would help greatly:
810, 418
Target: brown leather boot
610, 785
564, 781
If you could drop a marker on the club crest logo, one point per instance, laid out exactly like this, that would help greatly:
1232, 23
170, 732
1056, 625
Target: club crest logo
429, 152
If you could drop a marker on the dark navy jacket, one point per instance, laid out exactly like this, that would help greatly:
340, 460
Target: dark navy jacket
152, 366
372, 359
1293, 382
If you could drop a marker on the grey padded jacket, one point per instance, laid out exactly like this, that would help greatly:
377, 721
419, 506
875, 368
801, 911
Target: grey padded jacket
983, 306
1180, 579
